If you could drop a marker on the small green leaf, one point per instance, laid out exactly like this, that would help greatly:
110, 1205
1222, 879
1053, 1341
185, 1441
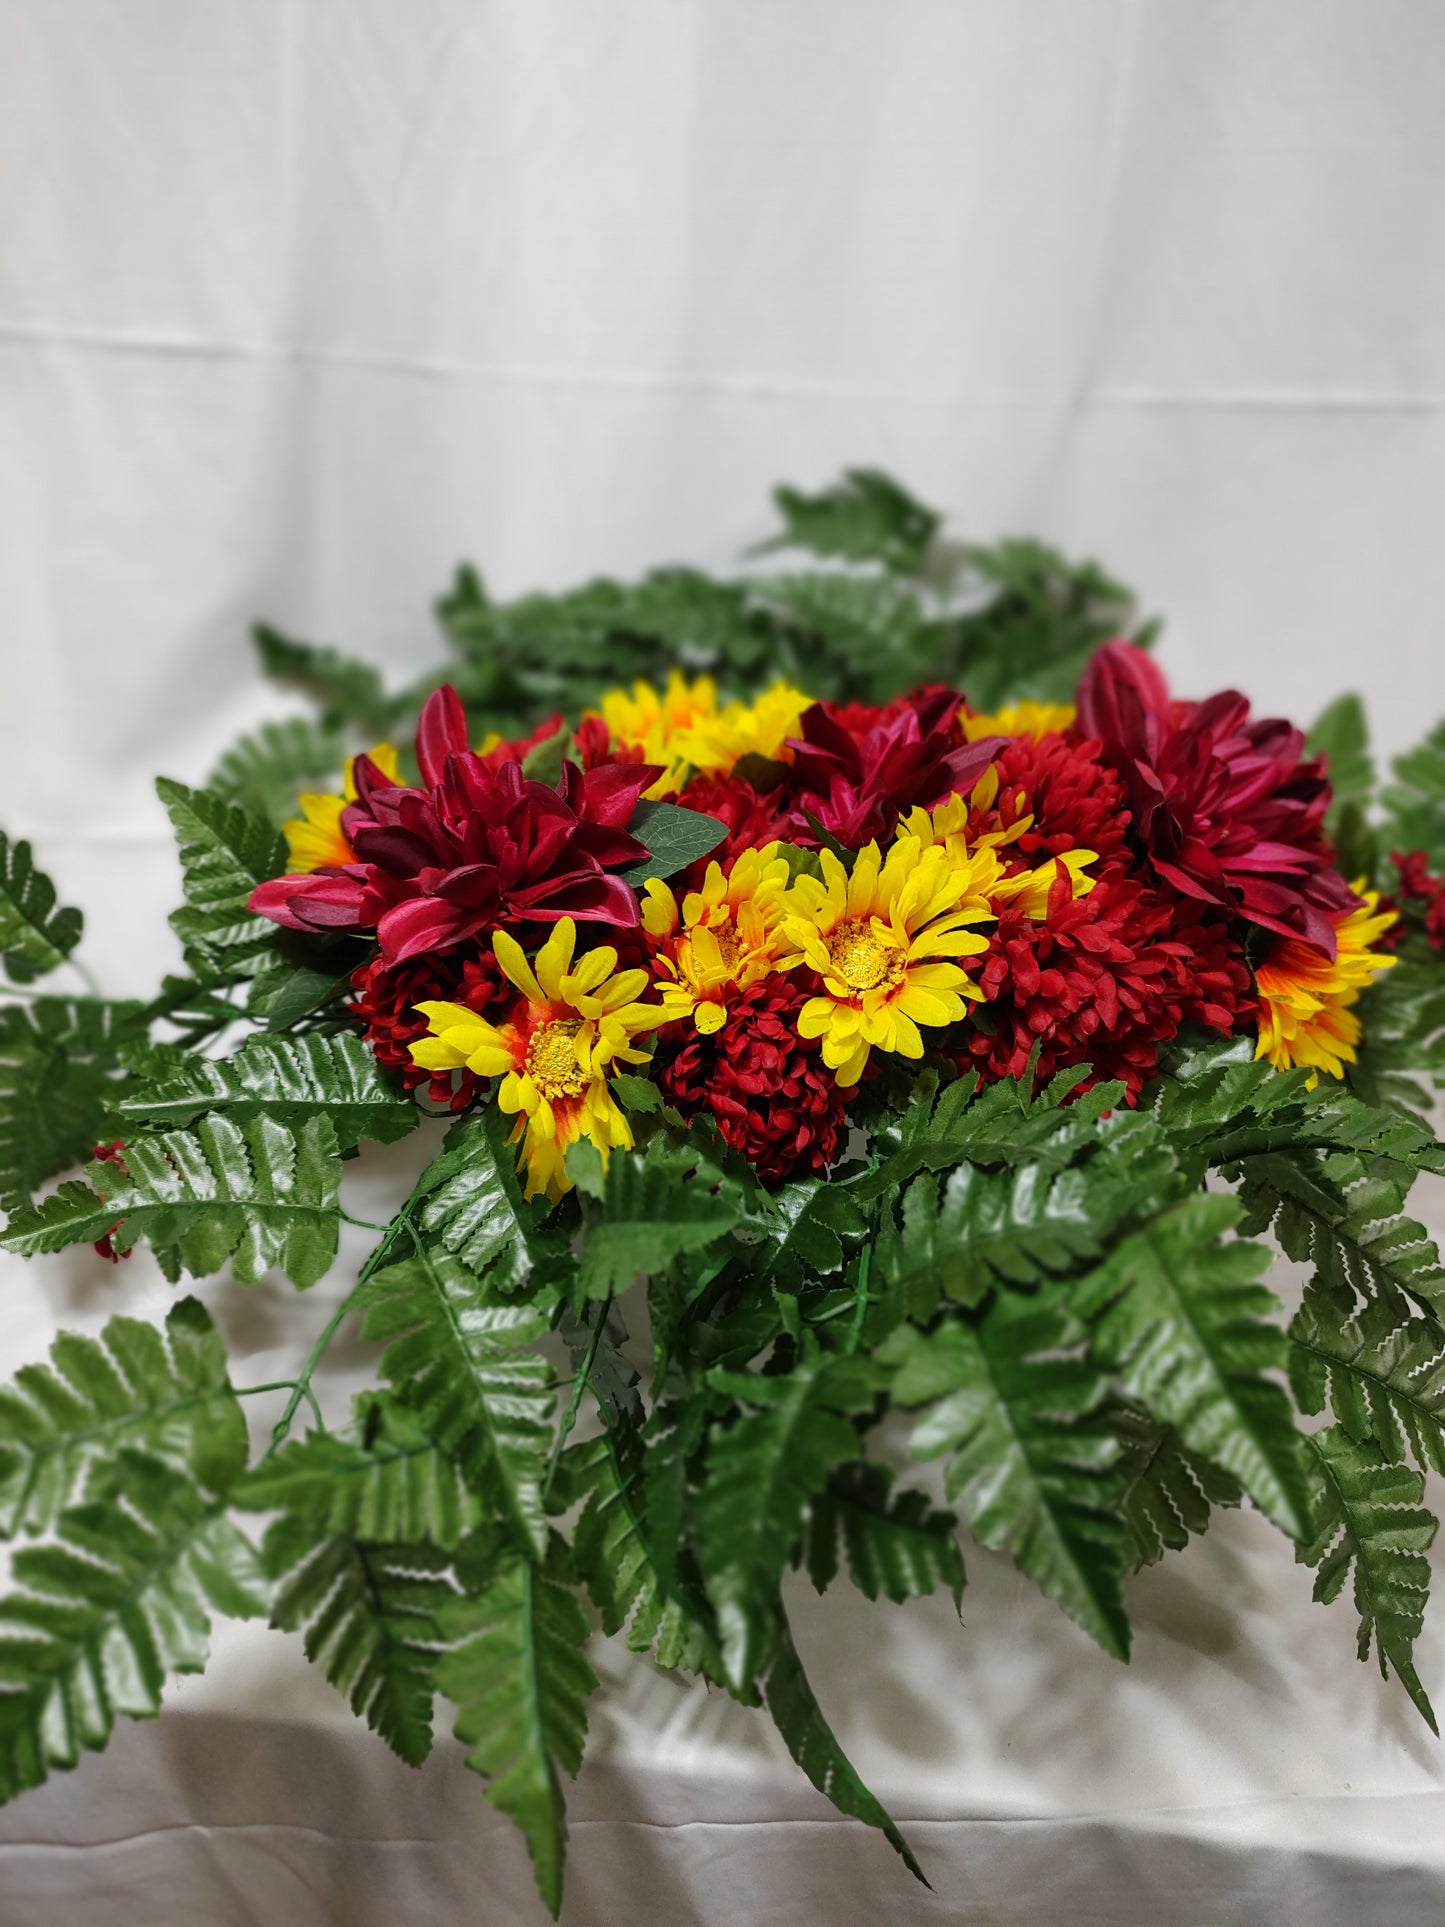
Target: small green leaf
674, 837
34, 936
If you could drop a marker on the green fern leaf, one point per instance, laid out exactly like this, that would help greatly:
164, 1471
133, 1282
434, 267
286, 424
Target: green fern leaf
367, 1611
1012, 1227
1170, 1491
349, 689
259, 1197
814, 1217
1415, 801
456, 1358
1345, 1215
1029, 1455
1000, 1125
107, 1610
761, 1474
263, 774
476, 1212
292, 1078
386, 1484
896, 1544
1368, 1515
59, 1061
865, 517
516, 1671
224, 854
1403, 1018
1341, 735
812, 1743
657, 1205
132, 1387
1382, 1373
614, 1557
34, 936
1184, 1321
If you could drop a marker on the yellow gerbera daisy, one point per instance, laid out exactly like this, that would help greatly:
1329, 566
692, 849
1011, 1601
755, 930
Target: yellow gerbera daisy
315, 839
568, 1029
1304, 998
685, 728
1020, 719
947, 826
879, 940
724, 938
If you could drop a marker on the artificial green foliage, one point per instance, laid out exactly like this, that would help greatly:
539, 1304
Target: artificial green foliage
515, 1668
1368, 1518
35, 937
252, 1196
1031, 1314
135, 1388
264, 773
102, 1613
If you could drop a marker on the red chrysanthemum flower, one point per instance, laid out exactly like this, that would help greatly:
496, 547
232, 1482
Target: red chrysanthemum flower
1076, 801
1104, 979
856, 777
1417, 885
1226, 809
480, 844
774, 1099
386, 1006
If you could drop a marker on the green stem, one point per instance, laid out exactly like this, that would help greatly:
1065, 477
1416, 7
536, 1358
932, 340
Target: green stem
855, 1335
285, 1385
302, 1385
579, 1384
364, 1223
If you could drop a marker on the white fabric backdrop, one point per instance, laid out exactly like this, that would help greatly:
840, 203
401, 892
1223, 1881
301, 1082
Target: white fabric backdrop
303, 300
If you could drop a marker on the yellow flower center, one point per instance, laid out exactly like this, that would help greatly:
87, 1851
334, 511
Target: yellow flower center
552, 1059
860, 959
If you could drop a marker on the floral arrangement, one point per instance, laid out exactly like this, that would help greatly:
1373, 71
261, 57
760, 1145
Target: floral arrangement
853, 991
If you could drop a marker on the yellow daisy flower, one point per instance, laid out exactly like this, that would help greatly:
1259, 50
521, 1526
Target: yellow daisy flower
685, 728
724, 938
569, 1028
880, 940
315, 839
1304, 998
1020, 719
947, 827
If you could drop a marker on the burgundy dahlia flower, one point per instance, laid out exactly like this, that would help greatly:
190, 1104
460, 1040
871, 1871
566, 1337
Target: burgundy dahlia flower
477, 845
857, 775
1226, 809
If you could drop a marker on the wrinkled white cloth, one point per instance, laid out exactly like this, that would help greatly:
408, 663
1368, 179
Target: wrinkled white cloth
300, 303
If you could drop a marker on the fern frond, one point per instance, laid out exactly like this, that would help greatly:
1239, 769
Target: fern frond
1016, 1412
656, 1206
614, 1557
1181, 1317
224, 854
367, 1611
348, 689
103, 1613
34, 936
761, 1474
812, 1743
1169, 1491
259, 1197
865, 517
1344, 1215
131, 1387
896, 1544
476, 1212
515, 1670
263, 774
384, 1482
1382, 1372
455, 1357
292, 1078
1368, 1516
59, 1062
